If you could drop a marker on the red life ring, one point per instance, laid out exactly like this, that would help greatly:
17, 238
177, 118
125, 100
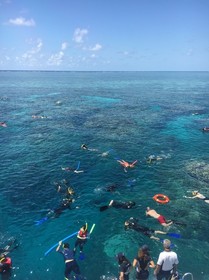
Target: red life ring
161, 198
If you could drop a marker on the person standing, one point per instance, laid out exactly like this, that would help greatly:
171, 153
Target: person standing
167, 262
142, 262
124, 266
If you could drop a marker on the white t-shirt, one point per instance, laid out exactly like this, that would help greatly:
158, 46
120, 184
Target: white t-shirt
168, 259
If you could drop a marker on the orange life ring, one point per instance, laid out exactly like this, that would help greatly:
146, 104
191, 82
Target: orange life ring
161, 198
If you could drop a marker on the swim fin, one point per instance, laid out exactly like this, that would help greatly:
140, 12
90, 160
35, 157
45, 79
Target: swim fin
179, 223
103, 208
175, 235
41, 221
81, 256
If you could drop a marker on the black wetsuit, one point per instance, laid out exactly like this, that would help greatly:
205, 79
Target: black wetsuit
142, 271
70, 262
125, 267
124, 205
132, 223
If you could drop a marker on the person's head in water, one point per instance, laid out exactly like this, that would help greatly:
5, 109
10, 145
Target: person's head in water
126, 224
70, 191
66, 245
195, 193
131, 203
84, 228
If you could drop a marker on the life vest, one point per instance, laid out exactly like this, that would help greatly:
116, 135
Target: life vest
5, 264
82, 234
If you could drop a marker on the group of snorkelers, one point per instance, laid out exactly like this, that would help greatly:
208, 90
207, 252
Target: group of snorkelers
68, 198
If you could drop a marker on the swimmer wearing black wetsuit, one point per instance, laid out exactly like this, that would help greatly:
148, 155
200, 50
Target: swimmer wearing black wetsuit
121, 204
132, 223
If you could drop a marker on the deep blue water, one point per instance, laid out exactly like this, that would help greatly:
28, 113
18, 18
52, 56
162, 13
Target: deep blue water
132, 115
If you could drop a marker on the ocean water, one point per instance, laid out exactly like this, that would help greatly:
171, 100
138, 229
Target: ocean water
129, 115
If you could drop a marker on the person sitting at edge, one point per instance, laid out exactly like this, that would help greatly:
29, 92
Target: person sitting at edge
126, 164
161, 219
196, 194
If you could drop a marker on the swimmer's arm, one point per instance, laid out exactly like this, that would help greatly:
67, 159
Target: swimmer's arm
78, 171
58, 247
167, 224
152, 264
154, 237
192, 197
134, 263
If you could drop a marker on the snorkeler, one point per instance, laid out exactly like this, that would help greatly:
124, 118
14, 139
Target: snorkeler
126, 164
55, 213
118, 204
205, 129
161, 219
196, 194
70, 262
111, 188
132, 223
39, 117
5, 266
153, 158
3, 124
82, 237
72, 169
84, 147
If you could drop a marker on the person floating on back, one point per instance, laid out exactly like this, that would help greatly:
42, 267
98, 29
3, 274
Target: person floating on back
126, 164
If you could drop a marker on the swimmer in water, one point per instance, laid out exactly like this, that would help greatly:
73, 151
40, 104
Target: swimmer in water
126, 164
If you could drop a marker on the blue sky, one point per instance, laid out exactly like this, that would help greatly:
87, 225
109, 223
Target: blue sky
104, 35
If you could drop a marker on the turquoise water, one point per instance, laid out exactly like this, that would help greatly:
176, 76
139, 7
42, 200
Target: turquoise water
130, 114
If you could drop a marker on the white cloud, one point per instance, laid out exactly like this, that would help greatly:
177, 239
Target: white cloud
97, 47
64, 46
22, 22
36, 49
79, 35
56, 59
